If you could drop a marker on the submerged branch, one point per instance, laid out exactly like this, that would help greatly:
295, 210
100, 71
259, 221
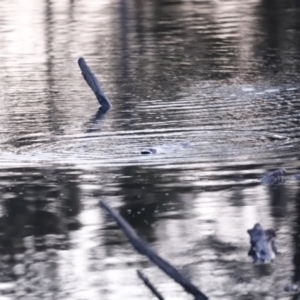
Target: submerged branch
149, 285
143, 248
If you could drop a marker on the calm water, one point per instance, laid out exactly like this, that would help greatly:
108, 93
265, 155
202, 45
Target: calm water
222, 76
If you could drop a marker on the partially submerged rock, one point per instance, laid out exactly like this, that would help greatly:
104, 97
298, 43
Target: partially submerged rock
274, 178
263, 247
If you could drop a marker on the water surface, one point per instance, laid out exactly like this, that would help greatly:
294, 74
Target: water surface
221, 76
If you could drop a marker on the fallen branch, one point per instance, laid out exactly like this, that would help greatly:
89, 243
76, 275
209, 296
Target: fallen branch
94, 84
150, 285
144, 249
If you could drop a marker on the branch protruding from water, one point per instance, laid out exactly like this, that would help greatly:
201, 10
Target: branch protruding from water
94, 84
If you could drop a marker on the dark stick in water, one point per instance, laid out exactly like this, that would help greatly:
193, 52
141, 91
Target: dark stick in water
149, 285
143, 248
94, 84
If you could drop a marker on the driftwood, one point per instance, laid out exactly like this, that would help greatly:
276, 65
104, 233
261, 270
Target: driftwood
149, 285
94, 84
143, 248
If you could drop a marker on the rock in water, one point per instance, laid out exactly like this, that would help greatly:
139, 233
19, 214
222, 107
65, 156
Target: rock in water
262, 242
274, 178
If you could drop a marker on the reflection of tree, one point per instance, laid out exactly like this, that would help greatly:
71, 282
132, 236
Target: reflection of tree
277, 47
296, 236
52, 114
39, 209
40, 204
168, 44
278, 201
144, 200
269, 49
160, 46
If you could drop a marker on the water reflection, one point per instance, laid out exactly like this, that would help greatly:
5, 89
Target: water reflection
39, 208
37, 205
222, 76
148, 196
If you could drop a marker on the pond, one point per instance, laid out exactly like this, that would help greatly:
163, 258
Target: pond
219, 76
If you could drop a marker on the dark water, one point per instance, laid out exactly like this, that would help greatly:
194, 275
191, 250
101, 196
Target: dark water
222, 76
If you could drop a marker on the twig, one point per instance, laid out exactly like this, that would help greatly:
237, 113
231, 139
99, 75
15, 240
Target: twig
144, 249
149, 285
94, 84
